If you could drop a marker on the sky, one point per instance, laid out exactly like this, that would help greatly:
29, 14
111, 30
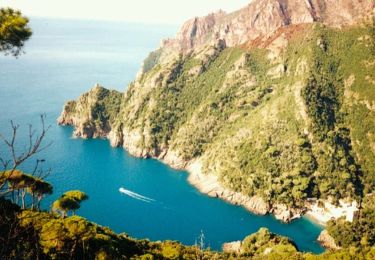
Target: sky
145, 11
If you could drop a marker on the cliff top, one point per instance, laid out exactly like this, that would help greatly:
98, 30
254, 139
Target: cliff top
261, 17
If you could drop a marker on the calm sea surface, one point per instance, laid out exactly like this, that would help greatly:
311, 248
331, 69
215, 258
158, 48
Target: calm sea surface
65, 58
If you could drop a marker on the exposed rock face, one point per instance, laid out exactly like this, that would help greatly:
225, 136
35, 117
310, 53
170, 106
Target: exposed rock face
232, 247
327, 241
90, 115
263, 17
195, 32
285, 214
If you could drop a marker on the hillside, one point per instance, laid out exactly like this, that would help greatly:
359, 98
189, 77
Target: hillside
270, 107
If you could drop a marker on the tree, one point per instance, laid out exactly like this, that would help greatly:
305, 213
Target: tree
64, 205
15, 184
76, 195
19, 182
16, 158
39, 188
14, 31
69, 201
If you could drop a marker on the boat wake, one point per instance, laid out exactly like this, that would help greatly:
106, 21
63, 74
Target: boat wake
136, 195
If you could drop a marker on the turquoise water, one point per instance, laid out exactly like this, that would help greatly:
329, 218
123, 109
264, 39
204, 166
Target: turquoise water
65, 59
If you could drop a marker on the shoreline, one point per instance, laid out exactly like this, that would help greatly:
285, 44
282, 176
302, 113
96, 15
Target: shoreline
209, 185
314, 220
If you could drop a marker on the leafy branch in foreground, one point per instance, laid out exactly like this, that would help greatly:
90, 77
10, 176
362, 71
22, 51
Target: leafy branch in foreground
14, 31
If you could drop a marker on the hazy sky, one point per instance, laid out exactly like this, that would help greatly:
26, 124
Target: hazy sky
154, 11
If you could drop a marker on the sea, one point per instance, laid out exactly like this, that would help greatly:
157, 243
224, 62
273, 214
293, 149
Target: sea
143, 198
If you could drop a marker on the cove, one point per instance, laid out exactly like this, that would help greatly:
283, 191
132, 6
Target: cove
64, 59
169, 207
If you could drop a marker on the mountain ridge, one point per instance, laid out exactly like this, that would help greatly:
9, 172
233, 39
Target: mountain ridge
261, 17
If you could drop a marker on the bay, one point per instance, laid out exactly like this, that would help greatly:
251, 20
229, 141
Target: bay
65, 58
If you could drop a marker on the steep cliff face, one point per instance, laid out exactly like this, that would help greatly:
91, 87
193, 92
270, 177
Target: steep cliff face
274, 101
262, 17
93, 114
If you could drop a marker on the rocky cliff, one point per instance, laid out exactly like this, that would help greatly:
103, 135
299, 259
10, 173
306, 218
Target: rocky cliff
262, 17
275, 101
93, 114
327, 241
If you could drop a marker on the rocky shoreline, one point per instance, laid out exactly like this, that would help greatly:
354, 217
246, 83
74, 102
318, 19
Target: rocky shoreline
327, 241
208, 183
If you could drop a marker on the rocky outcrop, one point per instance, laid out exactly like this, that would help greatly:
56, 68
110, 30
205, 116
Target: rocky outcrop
262, 17
327, 241
232, 247
194, 32
209, 184
93, 114
259, 245
286, 214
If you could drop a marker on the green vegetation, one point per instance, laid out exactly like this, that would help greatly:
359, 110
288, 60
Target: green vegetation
28, 234
69, 201
324, 95
152, 60
298, 127
107, 107
360, 232
96, 110
262, 241
14, 31
21, 185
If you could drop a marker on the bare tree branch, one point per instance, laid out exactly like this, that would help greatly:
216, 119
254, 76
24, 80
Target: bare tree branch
34, 147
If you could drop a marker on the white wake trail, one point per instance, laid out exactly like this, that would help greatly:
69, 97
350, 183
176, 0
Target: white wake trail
135, 195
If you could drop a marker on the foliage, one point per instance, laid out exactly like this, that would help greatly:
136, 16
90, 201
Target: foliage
286, 137
263, 240
360, 232
20, 184
32, 234
332, 112
303, 133
107, 106
69, 201
76, 195
152, 60
47, 236
14, 31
